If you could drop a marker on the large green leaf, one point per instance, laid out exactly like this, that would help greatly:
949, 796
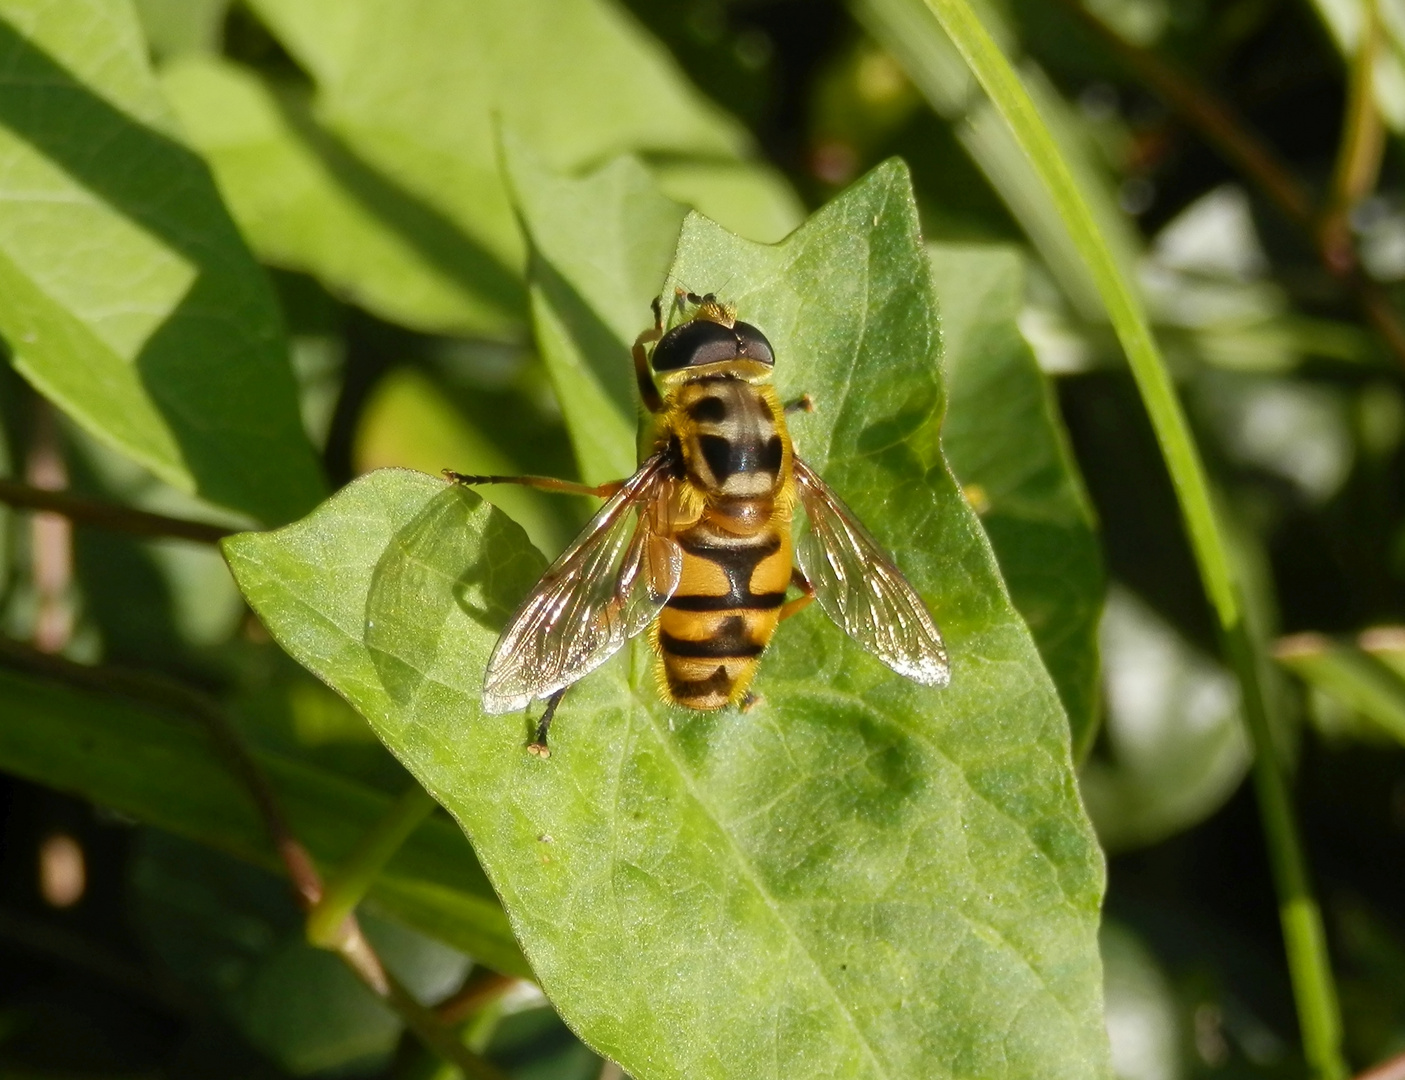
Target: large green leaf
306, 202
600, 247
234, 933
409, 422
163, 770
601, 244
387, 185
126, 295
1003, 435
862, 877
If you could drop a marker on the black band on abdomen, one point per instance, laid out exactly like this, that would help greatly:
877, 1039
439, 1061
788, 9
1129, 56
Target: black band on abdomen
730, 602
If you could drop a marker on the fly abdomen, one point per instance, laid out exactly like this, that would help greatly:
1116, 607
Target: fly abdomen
714, 628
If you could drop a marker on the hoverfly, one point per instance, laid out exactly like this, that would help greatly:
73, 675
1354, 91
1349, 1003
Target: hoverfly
696, 546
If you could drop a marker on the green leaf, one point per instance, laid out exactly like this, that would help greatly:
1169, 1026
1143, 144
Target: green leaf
408, 422
233, 932
126, 296
750, 199
163, 770
173, 27
600, 245
1368, 682
387, 185
306, 202
1003, 434
1173, 748
860, 877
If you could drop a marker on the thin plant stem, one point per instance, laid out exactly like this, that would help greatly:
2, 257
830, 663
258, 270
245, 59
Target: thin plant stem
482, 989
111, 516
1362, 144
347, 886
351, 945
1256, 160
1313, 985
1390, 1069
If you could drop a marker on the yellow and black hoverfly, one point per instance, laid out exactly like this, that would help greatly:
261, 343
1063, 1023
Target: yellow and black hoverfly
696, 546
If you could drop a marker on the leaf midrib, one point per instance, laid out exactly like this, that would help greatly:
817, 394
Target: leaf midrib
754, 880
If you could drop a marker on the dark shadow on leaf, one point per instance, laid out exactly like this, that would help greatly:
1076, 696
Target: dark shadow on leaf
457, 555
481, 591
892, 431
233, 412
437, 238
607, 356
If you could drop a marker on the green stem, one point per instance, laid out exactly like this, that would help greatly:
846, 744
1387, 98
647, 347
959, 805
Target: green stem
1304, 939
1351, 675
348, 885
1363, 131
1362, 144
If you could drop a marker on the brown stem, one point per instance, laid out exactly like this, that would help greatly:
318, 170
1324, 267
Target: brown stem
105, 515
1210, 116
480, 990
51, 552
1258, 161
352, 946
1391, 1069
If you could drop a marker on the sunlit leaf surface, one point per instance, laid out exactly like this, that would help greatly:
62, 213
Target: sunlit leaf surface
386, 184
126, 296
1006, 443
862, 877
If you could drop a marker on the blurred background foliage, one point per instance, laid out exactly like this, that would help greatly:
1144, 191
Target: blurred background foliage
354, 146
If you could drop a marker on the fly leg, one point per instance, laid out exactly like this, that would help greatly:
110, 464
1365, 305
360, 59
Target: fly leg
544, 483
538, 745
804, 403
801, 602
648, 392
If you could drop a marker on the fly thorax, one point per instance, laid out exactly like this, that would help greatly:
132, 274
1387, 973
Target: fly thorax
733, 440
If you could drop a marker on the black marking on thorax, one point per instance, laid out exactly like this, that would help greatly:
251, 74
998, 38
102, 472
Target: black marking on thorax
736, 431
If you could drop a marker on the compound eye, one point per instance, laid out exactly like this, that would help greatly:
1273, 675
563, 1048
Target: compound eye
753, 344
693, 344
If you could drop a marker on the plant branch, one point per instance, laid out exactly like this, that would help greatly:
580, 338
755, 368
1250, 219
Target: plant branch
1363, 142
1390, 1069
1358, 162
351, 944
483, 988
1210, 116
347, 886
112, 516
1304, 939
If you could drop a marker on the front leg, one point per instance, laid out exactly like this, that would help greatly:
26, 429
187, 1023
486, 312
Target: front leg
541, 483
648, 392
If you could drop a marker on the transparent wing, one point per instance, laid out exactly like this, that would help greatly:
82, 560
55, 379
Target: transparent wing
604, 589
862, 591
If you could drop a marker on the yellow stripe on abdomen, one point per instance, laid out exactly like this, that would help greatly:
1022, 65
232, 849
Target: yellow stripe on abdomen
712, 631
